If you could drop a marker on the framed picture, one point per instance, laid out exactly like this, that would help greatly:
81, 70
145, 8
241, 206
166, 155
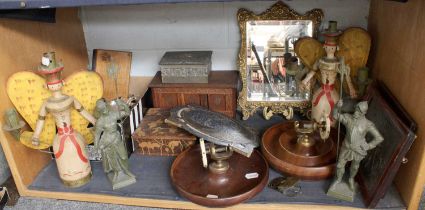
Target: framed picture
378, 169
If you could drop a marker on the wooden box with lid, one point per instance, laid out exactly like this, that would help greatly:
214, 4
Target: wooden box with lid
155, 137
219, 94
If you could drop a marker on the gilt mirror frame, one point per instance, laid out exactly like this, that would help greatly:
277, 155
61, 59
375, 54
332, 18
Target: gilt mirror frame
278, 11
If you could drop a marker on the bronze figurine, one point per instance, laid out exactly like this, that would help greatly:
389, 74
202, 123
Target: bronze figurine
354, 148
109, 142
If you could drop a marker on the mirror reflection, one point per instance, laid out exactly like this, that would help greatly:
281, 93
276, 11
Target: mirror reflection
273, 69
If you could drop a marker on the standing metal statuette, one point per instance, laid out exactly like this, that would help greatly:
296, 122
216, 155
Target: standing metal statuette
110, 143
354, 148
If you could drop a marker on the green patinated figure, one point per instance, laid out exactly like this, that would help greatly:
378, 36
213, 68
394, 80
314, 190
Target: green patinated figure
354, 148
13, 123
108, 141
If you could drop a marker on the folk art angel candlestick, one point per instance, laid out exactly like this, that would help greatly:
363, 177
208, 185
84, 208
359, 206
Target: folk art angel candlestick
43, 109
330, 65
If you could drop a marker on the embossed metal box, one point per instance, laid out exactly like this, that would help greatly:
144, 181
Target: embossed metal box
185, 67
155, 137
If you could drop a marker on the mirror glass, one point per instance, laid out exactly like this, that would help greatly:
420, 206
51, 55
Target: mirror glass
273, 69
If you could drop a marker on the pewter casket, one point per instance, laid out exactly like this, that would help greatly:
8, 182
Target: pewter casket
185, 67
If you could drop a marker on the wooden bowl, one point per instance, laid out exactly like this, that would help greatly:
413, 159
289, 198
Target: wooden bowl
203, 187
281, 150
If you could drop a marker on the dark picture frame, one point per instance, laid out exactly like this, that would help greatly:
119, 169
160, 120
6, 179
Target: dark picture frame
378, 169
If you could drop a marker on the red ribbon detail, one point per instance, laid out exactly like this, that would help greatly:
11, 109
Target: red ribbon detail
66, 132
326, 89
55, 82
52, 71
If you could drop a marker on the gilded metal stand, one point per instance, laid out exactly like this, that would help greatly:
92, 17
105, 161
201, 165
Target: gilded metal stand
218, 154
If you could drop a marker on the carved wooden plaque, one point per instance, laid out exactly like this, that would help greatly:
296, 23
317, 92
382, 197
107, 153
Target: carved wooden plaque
114, 67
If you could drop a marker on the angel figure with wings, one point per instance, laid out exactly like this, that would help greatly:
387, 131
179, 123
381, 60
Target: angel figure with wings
325, 59
69, 145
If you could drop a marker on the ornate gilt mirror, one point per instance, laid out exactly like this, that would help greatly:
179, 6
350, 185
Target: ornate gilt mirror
269, 68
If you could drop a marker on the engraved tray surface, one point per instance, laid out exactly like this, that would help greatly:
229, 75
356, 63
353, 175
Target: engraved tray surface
216, 128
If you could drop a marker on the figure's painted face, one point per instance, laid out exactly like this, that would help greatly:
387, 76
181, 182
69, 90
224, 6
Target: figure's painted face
330, 49
55, 87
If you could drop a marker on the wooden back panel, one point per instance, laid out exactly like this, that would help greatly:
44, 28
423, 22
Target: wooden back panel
21, 46
397, 60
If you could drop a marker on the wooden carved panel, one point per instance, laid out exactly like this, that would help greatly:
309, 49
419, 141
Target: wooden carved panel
217, 102
191, 99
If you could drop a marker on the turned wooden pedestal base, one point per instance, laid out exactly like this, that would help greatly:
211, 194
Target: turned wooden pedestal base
312, 161
245, 178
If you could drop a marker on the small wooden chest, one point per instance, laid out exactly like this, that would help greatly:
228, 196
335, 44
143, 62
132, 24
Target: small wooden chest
219, 94
155, 137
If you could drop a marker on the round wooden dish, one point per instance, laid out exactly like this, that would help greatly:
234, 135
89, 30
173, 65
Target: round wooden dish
203, 187
286, 155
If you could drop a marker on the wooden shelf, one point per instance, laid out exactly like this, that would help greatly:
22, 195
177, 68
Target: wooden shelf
40, 4
25, 41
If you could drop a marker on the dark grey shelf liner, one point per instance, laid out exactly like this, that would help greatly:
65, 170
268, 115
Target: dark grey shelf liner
153, 182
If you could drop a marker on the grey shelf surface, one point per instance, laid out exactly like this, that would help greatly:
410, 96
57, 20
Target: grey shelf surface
153, 182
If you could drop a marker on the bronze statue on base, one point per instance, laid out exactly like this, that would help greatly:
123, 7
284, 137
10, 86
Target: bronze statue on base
354, 148
109, 142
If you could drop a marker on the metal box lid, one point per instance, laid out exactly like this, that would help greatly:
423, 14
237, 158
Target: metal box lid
186, 58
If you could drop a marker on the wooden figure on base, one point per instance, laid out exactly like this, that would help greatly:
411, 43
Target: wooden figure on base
324, 99
68, 144
46, 105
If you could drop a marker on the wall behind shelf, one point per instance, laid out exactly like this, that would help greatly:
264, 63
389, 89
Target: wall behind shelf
150, 30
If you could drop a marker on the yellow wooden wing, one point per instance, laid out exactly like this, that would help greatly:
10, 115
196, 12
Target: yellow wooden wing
27, 92
354, 46
87, 88
309, 50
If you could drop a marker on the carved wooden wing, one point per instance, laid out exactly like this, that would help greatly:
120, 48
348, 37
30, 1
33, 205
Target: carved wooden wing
354, 46
87, 88
27, 92
309, 50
